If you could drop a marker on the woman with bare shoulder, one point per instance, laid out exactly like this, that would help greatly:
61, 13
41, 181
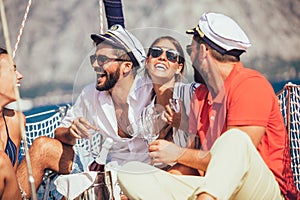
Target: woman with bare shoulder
10, 129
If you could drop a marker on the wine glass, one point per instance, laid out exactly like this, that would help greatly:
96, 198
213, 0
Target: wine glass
149, 125
153, 124
136, 128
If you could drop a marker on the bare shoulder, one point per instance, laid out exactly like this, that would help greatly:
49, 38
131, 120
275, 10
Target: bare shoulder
14, 115
14, 118
19, 116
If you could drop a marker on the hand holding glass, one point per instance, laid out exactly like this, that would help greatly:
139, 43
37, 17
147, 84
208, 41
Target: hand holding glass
95, 141
92, 141
148, 126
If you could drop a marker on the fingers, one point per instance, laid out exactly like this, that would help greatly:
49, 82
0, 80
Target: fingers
175, 104
74, 132
86, 124
158, 145
155, 157
155, 160
164, 151
123, 197
153, 146
80, 128
168, 114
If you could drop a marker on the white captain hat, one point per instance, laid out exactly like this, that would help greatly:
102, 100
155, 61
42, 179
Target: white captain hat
221, 33
120, 37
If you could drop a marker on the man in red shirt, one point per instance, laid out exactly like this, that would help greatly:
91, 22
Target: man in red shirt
245, 151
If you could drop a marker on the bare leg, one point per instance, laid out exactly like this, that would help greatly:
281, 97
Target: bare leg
9, 188
45, 153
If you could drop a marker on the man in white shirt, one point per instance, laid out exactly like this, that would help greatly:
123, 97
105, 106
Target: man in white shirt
118, 99
120, 95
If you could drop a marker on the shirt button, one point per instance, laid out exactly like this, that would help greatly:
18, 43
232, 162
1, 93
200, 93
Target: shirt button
209, 102
212, 118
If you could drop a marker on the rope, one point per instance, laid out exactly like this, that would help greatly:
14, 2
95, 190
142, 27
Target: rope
61, 109
8, 48
41, 113
21, 29
101, 16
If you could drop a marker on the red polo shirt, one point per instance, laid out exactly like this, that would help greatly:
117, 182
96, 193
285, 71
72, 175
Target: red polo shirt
250, 100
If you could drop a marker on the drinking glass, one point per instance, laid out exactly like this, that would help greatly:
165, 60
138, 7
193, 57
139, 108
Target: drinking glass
153, 124
149, 125
136, 128
93, 144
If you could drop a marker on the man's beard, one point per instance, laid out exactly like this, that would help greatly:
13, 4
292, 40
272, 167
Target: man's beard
111, 80
197, 76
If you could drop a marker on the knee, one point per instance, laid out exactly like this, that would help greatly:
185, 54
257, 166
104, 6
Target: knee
235, 136
234, 139
45, 145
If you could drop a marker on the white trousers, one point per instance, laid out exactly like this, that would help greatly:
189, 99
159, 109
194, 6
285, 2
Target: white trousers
236, 171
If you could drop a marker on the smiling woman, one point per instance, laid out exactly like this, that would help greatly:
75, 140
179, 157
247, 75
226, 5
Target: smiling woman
165, 64
165, 61
10, 132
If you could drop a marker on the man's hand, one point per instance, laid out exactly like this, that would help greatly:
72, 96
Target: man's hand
164, 151
80, 128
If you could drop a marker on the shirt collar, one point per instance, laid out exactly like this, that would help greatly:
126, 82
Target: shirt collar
142, 85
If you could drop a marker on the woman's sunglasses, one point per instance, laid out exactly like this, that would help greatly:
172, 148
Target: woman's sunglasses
101, 59
171, 54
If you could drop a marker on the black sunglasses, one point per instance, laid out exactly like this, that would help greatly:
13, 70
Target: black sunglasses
171, 54
101, 59
189, 49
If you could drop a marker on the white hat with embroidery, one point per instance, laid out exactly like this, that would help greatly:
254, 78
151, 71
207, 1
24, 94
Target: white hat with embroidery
221, 33
120, 37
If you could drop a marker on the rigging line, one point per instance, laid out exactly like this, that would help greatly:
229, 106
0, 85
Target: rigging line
21, 29
101, 16
42, 113
22, 127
